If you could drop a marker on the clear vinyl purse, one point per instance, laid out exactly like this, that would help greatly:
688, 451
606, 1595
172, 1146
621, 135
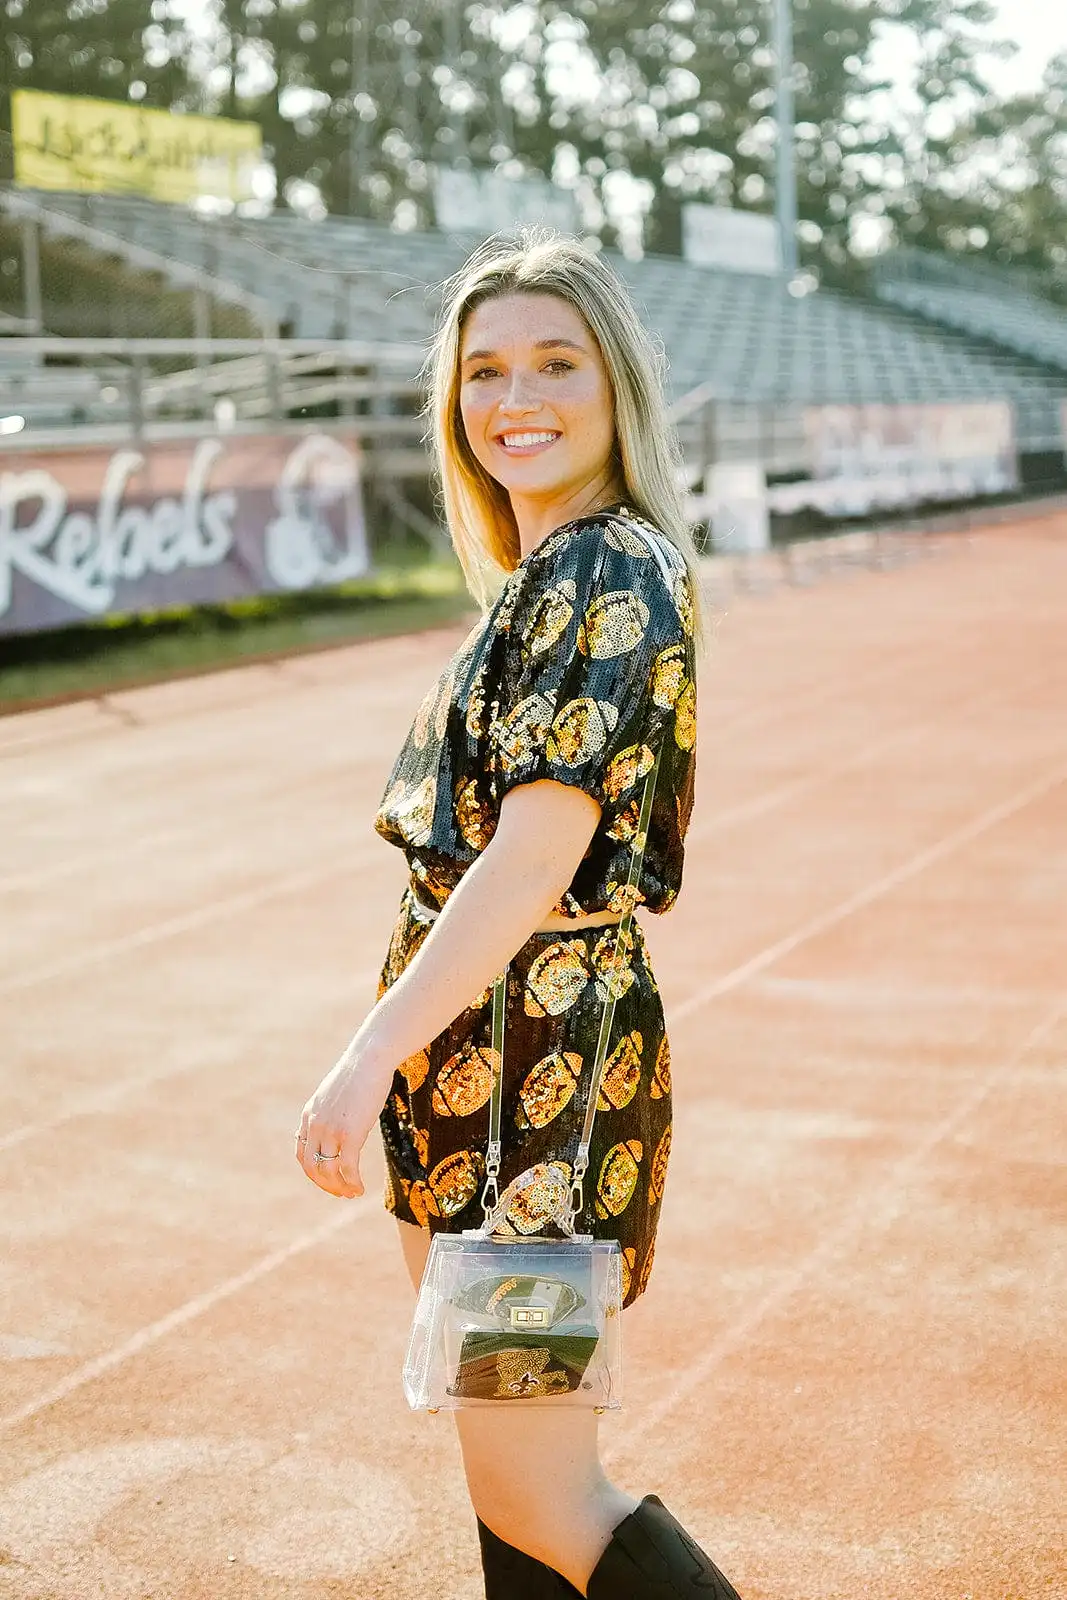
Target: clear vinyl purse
507, 1316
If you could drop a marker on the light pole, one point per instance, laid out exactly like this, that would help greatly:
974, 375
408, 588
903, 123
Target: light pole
785, 187
359, 26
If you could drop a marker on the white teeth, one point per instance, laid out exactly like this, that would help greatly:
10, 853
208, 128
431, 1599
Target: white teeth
522, 441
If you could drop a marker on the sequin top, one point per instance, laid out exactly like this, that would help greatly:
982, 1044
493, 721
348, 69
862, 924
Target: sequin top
583, 665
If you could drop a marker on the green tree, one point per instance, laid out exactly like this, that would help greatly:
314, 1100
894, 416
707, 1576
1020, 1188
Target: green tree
995, 189
359, 97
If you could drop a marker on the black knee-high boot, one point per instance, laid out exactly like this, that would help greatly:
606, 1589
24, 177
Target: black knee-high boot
511, 1574
651, 1557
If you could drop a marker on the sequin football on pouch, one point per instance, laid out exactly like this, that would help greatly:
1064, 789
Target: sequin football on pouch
581, 671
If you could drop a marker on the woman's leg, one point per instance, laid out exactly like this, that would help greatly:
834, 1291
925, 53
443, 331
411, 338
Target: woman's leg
536, 1481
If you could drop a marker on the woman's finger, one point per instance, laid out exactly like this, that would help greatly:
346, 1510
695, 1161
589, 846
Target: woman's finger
348, 1172
321, 1160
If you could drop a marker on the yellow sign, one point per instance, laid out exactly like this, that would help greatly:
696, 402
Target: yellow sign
104, 146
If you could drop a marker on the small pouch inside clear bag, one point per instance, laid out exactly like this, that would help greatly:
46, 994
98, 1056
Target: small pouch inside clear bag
520, 1321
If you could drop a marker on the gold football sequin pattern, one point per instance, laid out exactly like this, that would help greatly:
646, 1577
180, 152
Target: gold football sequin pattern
456, 1180
476, 722
474, 814
683, 600
422, 1203
548, 1089
625, 824
625, 769
619, 1172
613, 624
629, 1257
523, 731
668, 676
631, 543
550, 617
543, 1189
580, 730
621, 895
415, 1069
556, 978
622, 1073
614, 974
414, 815
685, 717
646, 1266
465, 1082
661, 1076
658, 1175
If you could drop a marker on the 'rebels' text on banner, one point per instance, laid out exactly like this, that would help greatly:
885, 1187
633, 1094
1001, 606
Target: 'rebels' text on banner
103, 532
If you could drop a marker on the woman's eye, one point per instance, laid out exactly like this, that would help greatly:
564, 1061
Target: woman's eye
491, 372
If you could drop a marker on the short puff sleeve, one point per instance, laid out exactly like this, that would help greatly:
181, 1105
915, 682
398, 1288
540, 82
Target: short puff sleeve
599, 651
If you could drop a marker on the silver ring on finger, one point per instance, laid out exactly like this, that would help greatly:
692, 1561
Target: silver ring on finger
318, 1156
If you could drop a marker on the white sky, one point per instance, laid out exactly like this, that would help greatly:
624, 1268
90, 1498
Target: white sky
1037, 27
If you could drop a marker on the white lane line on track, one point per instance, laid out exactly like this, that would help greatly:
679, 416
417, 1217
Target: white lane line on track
192, 1309
878, 1207
100, 1099
872, 891
188, 922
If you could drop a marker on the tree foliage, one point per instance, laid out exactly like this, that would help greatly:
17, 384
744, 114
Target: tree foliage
661, 101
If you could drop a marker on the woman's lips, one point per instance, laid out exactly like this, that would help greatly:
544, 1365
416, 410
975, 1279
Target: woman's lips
529, 442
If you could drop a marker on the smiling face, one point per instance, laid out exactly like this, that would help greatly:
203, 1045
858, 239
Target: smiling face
536, 400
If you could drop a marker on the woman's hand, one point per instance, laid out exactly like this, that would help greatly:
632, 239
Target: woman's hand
335, 1123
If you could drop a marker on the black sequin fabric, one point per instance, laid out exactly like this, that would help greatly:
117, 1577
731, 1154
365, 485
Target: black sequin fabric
581, 670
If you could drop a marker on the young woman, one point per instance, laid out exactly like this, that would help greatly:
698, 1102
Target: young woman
515, 799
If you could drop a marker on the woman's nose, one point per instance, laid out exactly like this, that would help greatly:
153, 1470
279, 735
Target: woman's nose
520, 395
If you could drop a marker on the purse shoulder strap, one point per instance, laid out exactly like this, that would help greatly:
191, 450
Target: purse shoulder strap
491, 1192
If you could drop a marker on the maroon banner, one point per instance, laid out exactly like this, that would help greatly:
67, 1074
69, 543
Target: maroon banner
102, 532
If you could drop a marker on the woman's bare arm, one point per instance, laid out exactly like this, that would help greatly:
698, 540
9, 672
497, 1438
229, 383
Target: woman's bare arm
543, 831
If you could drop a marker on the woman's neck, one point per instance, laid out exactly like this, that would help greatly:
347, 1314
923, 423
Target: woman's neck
536, 518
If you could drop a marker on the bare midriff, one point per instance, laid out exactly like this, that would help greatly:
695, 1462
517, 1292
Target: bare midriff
594, 919
553, 923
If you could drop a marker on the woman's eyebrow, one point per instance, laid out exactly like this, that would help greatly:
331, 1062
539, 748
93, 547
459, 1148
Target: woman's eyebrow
542, 344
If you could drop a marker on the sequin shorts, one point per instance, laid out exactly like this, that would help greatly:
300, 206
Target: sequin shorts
435, 1121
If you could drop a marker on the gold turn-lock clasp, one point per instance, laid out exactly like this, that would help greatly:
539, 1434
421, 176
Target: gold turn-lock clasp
530, 1317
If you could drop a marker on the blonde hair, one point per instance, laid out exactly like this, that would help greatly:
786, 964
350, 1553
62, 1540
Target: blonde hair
647, 455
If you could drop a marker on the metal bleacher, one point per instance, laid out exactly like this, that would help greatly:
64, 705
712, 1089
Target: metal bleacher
740, 340
977, 300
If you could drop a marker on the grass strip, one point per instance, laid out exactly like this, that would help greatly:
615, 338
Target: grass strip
72, 663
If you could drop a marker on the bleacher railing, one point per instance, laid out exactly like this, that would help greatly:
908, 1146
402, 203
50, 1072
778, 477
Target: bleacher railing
111, 390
